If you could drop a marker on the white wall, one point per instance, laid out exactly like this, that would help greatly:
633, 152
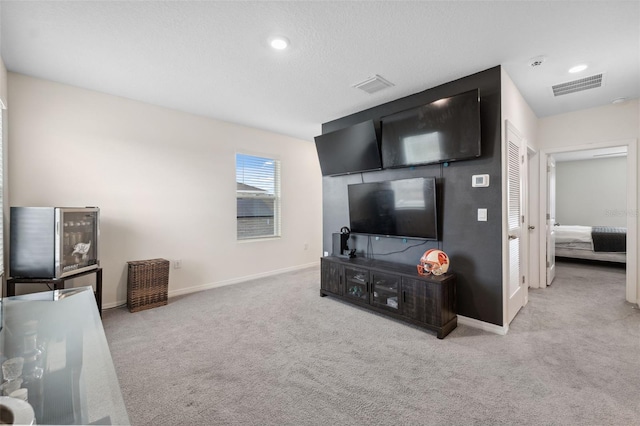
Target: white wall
164, 181
607, 123
592, 192
516, 110
5, 191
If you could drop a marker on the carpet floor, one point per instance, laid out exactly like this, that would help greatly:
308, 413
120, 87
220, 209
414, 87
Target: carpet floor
273, 352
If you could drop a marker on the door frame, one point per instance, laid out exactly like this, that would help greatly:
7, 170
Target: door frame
632, 286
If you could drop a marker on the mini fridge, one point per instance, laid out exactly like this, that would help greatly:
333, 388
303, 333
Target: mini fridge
53, 242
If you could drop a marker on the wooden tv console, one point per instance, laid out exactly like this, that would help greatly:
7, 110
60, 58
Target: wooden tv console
393, 289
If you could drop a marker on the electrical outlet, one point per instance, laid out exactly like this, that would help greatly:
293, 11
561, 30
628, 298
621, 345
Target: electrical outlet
306, 246
177, 264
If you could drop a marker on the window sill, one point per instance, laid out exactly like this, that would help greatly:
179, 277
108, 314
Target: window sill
258, 239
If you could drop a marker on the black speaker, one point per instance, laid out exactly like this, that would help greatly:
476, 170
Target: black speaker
340, 246
337, 244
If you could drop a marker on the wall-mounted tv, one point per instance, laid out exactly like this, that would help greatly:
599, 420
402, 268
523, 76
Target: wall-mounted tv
350, 150
402, 208
444, 130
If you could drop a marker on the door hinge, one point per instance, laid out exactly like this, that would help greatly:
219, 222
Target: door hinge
548, 264
522, 218
548, 216
548, 169
523, 279
522, 159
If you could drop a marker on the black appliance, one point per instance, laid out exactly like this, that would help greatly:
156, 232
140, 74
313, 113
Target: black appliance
402, 208
349, 150
444, 130
53, 242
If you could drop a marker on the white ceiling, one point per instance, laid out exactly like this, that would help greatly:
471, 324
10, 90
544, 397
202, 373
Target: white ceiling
212, 58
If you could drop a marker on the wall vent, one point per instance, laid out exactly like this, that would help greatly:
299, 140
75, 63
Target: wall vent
579, 85
373, 84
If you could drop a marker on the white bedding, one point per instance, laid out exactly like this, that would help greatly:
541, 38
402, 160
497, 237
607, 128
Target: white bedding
572, 234
575, 241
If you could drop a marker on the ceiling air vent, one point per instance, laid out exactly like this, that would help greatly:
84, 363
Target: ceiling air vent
373, 84
579, 85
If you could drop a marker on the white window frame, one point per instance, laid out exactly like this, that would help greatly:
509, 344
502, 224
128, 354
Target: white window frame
258, 182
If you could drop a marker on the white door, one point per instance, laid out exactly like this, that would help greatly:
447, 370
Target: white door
517, 288
551, 219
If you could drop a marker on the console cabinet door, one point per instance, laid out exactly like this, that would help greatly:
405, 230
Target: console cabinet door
330, 277
356, 283
385, 289
414, 297
432, 309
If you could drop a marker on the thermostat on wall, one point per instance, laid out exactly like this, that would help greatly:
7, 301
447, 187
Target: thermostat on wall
480, 181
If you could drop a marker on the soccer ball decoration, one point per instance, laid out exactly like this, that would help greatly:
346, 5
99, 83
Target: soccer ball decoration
433, 261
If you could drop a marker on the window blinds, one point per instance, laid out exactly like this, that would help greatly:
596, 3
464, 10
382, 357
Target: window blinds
258, 197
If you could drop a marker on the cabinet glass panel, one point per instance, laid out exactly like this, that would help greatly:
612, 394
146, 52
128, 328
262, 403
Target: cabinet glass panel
356, 283
385, 290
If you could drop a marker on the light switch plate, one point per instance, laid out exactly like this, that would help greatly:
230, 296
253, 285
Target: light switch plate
482, 215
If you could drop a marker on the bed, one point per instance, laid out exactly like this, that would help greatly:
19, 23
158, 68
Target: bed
602, 243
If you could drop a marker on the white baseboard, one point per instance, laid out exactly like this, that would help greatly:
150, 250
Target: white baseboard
238, 280
194, 289
113, 304
484, 326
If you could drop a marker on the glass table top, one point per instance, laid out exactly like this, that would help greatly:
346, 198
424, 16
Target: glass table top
57, 339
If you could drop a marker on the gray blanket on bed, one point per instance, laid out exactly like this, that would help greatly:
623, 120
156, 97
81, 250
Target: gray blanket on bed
609, 238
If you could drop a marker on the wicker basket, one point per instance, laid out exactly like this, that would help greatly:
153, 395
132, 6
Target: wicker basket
148, 284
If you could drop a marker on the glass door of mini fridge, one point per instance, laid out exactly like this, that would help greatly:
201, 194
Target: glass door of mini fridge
77, 240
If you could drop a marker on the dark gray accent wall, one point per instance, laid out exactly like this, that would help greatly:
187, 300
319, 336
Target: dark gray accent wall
474, 248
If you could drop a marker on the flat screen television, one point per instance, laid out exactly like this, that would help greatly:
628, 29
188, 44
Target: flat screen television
401, 208
350, 150
444, 130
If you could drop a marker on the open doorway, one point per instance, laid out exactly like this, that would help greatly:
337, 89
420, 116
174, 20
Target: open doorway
611, 210
590, 205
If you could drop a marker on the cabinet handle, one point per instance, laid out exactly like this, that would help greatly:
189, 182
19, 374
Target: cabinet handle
404, 296
367, 286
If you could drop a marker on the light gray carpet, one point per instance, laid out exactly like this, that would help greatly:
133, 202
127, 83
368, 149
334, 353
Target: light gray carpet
273, 352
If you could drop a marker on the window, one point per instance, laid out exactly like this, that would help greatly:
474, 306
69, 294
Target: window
258, 197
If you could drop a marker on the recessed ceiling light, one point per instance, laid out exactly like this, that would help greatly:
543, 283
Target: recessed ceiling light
618, 100
578, 68
279, 43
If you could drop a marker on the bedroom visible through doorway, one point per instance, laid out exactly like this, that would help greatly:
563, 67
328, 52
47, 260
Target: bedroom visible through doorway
590, 204
595, 199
